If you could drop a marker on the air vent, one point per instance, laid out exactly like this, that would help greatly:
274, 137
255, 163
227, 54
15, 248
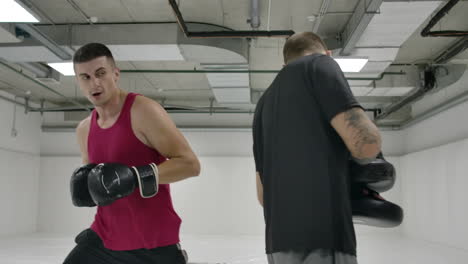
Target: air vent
53, 77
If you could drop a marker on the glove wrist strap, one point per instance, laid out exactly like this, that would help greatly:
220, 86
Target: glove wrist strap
148, 179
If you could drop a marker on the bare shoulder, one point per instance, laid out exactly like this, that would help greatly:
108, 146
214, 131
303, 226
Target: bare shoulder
153, 126
83, 126
82, 131
146, 108
145, 103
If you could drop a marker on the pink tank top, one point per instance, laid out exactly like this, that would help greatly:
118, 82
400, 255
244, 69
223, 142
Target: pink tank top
131, 222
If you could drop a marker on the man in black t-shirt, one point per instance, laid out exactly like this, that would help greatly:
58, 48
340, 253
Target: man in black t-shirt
307, 125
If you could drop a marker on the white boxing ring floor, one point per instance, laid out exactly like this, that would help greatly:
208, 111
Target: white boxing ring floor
385, 248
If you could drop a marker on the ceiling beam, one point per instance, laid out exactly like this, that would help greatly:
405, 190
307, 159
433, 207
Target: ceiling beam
321, 14
452, 102
36, 10
46, 41
377, 99
21, 73
448, 53
365, 10
36, 68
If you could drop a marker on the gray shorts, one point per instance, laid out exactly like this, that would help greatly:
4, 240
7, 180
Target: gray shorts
318, 256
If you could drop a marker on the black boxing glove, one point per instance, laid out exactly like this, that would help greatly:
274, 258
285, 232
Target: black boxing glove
378, 175
79, 186
369, 208
108, 182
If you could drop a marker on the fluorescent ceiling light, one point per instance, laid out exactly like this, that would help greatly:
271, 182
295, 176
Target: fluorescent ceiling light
11, 11
351, 64
65, 68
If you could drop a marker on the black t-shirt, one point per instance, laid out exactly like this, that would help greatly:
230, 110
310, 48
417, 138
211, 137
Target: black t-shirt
302, 160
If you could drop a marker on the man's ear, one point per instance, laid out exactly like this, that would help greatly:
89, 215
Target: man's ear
117, 74
328, 52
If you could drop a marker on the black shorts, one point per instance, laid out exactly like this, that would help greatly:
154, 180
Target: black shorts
89, 249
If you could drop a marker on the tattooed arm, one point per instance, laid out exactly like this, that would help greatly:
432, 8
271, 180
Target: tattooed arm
359, 133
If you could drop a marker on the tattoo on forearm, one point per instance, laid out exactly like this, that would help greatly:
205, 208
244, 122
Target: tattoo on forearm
365, 134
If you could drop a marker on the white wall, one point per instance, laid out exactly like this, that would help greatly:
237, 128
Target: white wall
222, 201
205, 142
431, 182
19, 160
446, 127
434, 178
56, 212
434, 194
393, 143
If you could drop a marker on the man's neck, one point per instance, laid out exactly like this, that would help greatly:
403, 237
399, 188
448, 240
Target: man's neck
112, 108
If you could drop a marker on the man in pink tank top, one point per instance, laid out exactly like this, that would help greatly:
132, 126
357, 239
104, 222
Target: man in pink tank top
131, 152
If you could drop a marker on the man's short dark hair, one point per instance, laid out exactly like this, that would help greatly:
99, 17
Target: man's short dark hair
300, 43
91, 51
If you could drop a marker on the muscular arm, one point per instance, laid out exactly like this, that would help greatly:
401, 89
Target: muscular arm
82, 131
160, 133
359, 133
259, 189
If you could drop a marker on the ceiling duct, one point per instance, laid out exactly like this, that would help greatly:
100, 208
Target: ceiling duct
45, 40
131, 42
7, 34
41, 85
52, 77
390, 26
453, 79
224, 34
427, 83
432, 79
42, 73
148, 42
230, 89
363, 13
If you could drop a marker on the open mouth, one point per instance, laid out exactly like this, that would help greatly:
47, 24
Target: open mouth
96, 94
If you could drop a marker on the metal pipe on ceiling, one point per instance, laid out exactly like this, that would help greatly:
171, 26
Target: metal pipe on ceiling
224, 34
440, 14
202, 110
428, 83
254, 19
452, 51
269, 15
254, 72
72, 128
461, 98
17, 103
454, 101
132, 23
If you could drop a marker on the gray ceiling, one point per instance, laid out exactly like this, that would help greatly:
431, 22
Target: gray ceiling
392, 38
